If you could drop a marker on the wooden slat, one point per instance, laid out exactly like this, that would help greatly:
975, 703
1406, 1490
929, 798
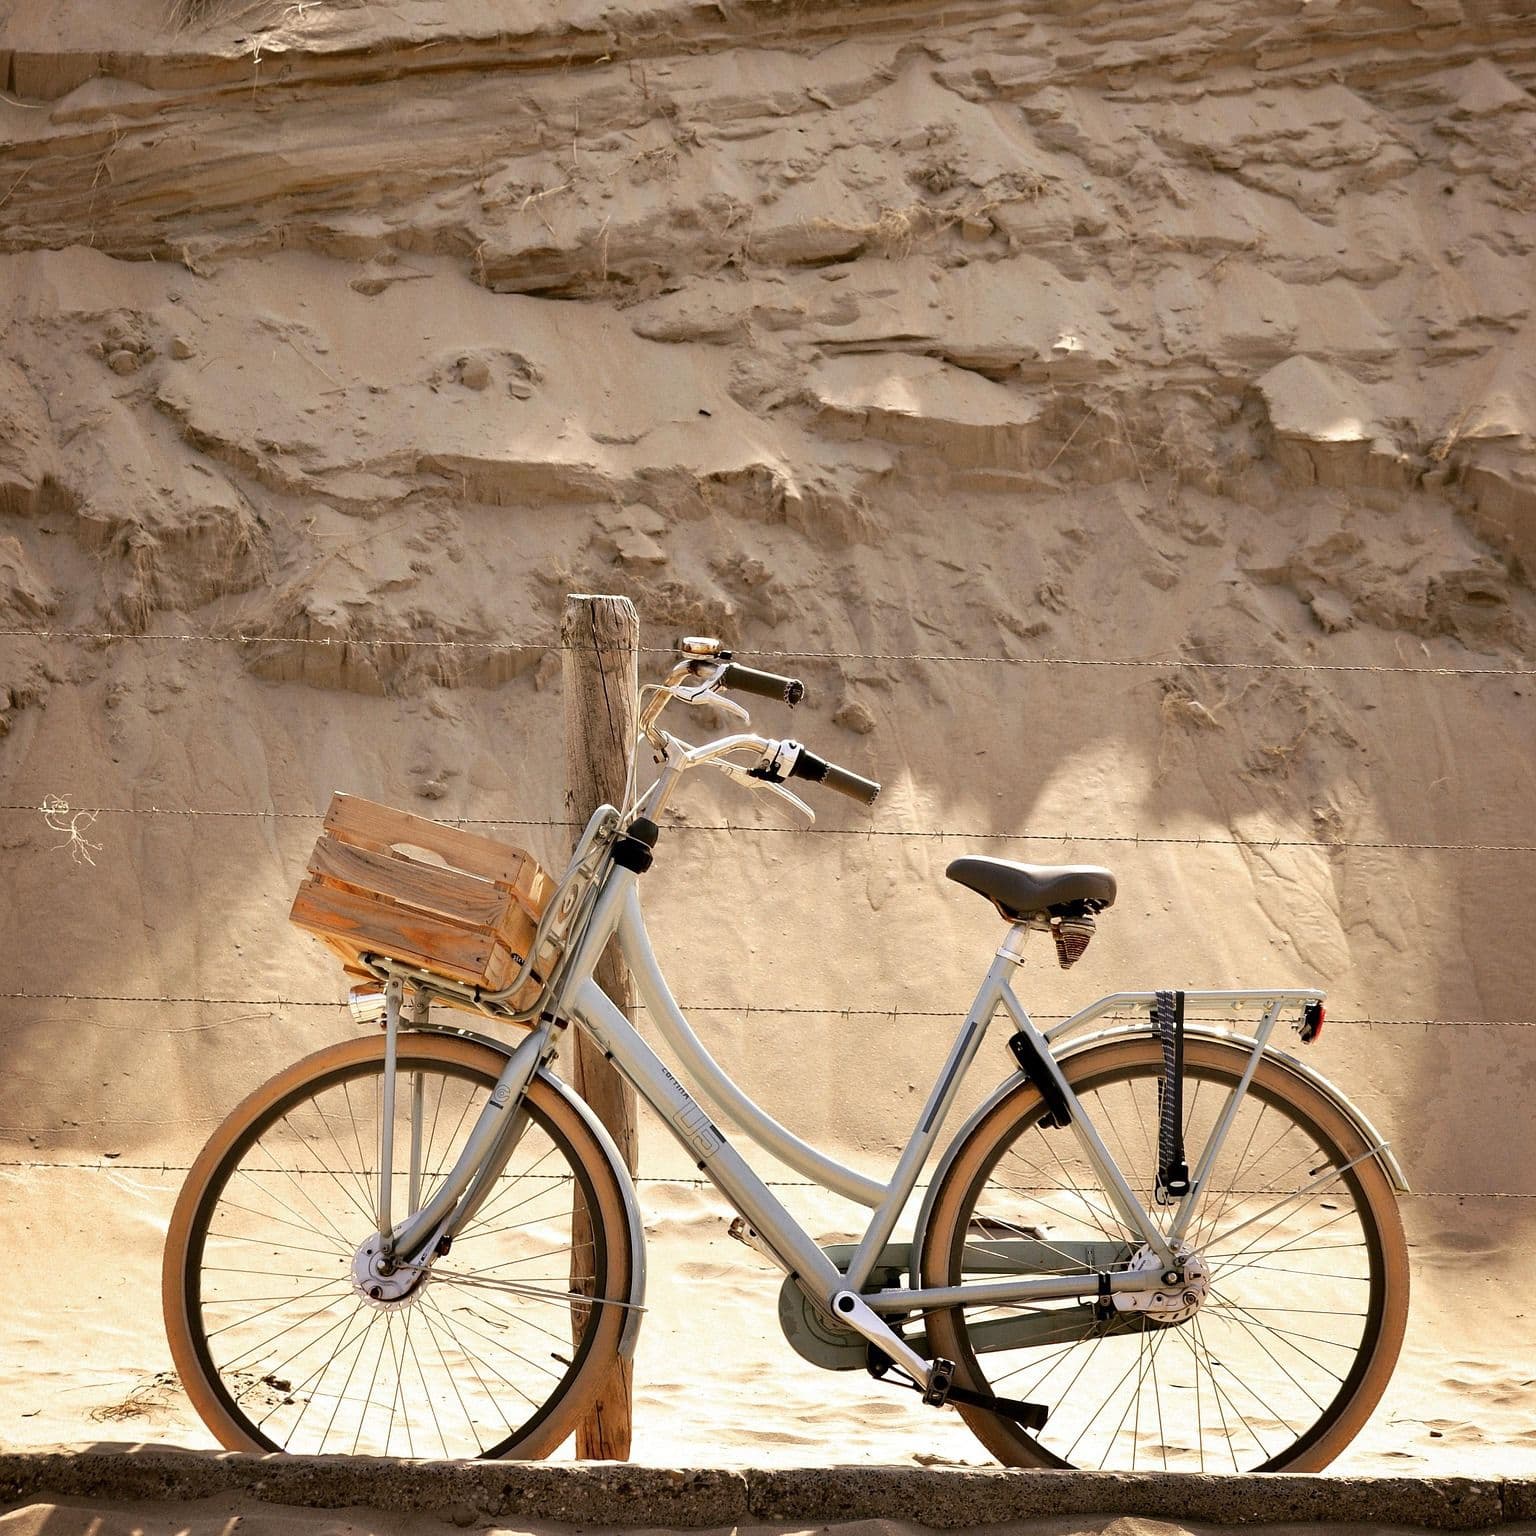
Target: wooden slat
380, 827
366, 934
340, 915
539, 887
460, 898
471, 918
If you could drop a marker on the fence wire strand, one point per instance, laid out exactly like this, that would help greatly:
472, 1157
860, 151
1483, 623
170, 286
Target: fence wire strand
950, 834
116, 1165
824, 1011
375, 642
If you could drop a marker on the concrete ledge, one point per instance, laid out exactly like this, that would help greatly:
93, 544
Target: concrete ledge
591, 1493
614, 1494
960, 1497
1520, 1499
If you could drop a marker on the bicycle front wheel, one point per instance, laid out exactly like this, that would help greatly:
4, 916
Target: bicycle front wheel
1300, 1290
495, 1351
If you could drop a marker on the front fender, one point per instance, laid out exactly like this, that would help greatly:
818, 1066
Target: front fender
636, 1297
1382, 1150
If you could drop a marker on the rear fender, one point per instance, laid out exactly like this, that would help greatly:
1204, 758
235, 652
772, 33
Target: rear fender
1288, 1063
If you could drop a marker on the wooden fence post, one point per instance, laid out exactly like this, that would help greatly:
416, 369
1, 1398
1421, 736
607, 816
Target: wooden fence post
600, 637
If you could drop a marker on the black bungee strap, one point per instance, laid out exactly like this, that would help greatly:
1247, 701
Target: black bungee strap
1172, 1170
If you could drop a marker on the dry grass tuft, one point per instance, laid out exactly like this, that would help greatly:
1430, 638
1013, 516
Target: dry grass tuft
149, 1397
184, 15
1179, 710
1441, 449
1179, 706
897, 231
894, 232
58, 817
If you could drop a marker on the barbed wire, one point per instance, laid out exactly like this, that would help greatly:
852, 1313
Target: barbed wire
1140, 661
115, 1165
237, 637
240, 637
276, 815
1136, 839
827, 1011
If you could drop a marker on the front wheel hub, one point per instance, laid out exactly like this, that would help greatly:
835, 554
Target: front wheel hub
382, 1282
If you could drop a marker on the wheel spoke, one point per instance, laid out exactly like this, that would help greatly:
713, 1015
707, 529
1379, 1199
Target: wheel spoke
368, 1321
1256, 1329
280, 1301
1232, 1267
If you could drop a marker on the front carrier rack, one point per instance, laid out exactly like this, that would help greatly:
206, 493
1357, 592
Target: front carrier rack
476, 923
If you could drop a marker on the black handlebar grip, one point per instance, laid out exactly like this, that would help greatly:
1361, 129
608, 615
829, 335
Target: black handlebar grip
851, 784
819, 771
766, 685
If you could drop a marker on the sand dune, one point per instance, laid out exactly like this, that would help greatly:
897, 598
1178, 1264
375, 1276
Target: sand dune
1174, 335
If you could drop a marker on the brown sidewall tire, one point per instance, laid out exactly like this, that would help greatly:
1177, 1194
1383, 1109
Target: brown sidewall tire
446, 1050
1011, 1445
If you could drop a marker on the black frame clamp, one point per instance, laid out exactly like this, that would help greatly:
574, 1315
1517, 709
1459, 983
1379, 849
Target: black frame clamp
635, 850
1104, 1302
1031, 1064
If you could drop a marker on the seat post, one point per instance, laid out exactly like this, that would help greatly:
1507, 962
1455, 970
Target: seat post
1012, 947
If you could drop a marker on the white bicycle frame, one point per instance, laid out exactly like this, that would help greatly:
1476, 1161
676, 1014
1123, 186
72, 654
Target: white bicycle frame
578, 998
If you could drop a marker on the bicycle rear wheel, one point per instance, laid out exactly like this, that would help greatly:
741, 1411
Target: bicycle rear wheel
1305, 1274
494, 1353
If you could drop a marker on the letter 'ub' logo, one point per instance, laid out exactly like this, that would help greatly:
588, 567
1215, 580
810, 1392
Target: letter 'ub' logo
697, 1131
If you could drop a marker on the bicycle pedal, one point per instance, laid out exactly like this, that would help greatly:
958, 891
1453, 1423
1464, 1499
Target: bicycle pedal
941, 1382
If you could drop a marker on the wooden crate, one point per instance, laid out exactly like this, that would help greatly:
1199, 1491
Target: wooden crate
385, 882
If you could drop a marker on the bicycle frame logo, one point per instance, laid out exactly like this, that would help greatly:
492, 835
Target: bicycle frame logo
693, 1125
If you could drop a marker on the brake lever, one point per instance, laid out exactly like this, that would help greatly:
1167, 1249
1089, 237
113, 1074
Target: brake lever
704, 692
739, 775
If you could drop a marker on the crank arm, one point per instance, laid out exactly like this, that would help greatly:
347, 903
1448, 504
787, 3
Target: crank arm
933, 1379
852, 1311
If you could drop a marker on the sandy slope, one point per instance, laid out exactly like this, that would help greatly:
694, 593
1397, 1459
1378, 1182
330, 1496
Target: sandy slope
1171, 333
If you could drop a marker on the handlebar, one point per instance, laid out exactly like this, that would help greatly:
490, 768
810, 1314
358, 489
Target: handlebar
819, 771
705, 672
766, 685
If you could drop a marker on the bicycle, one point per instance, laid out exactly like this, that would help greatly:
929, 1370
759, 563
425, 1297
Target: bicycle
1161, 1244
